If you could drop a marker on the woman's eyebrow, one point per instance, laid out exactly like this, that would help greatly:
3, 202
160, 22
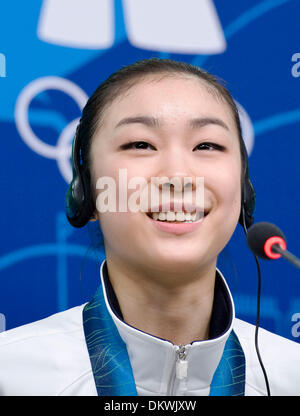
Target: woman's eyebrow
153, 122
146, 120
198, 123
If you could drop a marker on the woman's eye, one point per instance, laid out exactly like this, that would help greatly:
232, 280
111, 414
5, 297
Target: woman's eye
141, 145
209, 146
136, 145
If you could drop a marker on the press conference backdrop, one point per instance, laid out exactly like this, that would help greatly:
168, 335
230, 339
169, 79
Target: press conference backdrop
54, 53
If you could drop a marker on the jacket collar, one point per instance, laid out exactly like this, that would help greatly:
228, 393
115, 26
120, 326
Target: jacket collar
153, 359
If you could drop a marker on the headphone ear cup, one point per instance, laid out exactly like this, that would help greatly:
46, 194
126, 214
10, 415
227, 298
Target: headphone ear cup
74, 199
248, 196
79, 205
248, 204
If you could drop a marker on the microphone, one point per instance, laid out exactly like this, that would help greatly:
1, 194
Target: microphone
268, 242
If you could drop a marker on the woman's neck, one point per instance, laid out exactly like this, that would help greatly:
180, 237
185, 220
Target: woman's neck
176, 309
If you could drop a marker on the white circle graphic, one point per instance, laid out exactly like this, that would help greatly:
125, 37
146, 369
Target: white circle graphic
247, 128
65, 144
22, 106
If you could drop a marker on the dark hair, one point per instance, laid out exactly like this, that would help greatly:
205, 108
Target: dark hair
120, 81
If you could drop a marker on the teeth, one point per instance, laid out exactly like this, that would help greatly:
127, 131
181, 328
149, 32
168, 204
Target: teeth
162, 216
171, 216
180, 216
188, 216
176, 216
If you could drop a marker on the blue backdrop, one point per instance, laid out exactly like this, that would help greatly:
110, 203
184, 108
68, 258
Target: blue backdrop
55, 53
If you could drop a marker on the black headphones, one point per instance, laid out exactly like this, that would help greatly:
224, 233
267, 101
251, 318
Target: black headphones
248, 193
80, 206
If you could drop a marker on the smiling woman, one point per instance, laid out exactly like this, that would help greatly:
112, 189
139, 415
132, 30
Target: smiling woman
162, 321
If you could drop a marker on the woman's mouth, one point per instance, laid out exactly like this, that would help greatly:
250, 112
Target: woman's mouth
176, 217
177, 223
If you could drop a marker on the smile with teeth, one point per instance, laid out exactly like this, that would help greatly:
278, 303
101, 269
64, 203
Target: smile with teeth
172, 216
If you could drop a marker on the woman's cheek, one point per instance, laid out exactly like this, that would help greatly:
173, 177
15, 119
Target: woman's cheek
229, 191
113, 227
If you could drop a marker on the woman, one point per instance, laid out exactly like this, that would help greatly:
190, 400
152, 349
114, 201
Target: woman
162, 321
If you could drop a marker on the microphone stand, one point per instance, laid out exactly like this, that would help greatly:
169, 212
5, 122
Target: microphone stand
276, 248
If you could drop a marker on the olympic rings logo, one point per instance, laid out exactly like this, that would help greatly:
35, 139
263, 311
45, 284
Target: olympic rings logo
63, 149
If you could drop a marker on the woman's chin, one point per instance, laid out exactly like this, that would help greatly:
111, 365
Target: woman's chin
179, 261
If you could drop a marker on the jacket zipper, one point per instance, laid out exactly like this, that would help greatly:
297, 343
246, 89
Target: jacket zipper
179, 370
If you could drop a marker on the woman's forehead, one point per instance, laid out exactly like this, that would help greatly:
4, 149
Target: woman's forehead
167, 94
167, 81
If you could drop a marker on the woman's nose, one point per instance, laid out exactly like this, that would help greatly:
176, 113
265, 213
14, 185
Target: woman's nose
175, 170
178, 184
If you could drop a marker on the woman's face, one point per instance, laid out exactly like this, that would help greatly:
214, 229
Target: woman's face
167, 114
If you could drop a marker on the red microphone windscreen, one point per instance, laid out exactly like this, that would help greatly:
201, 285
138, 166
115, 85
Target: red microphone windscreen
258, 234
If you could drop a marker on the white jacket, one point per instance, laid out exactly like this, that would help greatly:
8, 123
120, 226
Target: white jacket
50, 357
